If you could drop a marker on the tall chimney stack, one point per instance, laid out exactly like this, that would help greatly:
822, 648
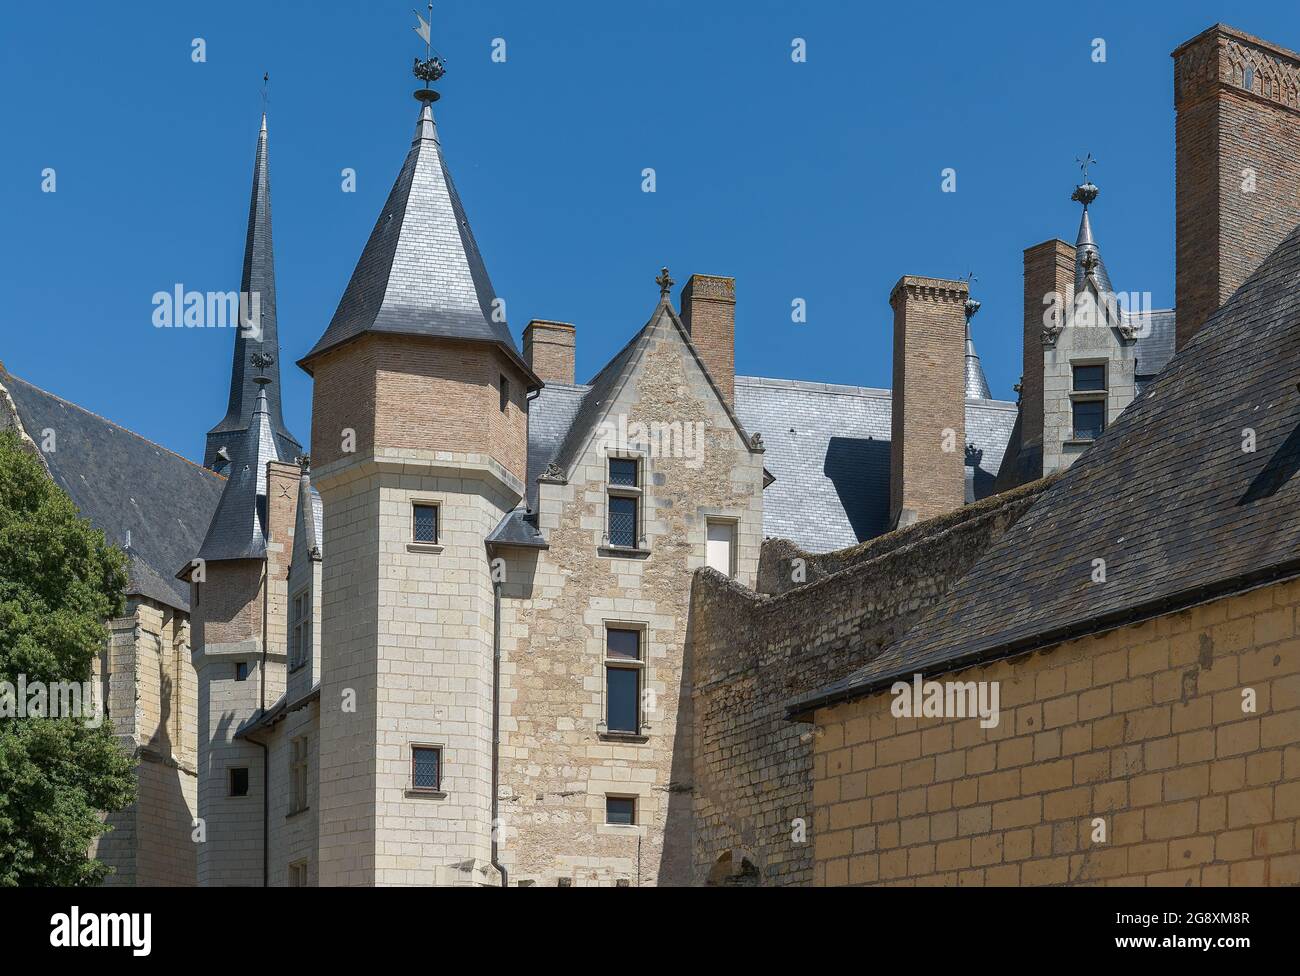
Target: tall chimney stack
1049, 272
549, 348
928, 444
709, 314
1238, 164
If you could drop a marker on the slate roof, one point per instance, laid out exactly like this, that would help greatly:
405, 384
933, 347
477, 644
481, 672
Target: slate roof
977, 385
421, 273
238, 527
828, 448
1166, 496
123, 483
258, 279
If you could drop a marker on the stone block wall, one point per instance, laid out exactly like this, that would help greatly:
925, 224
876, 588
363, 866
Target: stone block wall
751, 654
1144, 733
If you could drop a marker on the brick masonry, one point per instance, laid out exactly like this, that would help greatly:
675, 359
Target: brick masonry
927, 463
549, 348
709, 313
1141, 729
1238, 104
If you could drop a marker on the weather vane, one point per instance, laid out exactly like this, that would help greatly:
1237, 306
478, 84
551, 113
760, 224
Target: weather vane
1084, 163
266, 90
433, 66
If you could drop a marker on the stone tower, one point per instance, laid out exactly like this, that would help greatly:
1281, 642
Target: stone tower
236, 586
419, 443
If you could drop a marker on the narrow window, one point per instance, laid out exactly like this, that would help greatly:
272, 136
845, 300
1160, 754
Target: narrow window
426, 769
564, 882
620, 810
623, 667
1088, 401
239, 781
298, 874
505, 393
424, 523
720, 548
300, 644
241, 670
298, 775
624, 502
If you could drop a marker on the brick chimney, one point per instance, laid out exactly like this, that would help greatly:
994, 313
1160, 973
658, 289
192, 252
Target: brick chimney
549, 348
928, 444
1238, 164
1049, 271
709, 314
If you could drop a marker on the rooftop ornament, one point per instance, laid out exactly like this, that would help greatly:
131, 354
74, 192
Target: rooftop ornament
665, 283
1085, 192
433, 66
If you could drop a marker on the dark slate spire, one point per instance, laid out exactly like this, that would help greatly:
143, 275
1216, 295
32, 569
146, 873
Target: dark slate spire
258, 279
977, 386
421, 273
238, 528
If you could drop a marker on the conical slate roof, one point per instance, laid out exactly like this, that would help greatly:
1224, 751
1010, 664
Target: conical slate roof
258, 279
421, 273
977, 386
238, 529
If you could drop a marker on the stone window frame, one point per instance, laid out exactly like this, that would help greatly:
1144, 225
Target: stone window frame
425, 792
724, 519
1090, 396
636, 492
642, 665
300, 652
247, 670
298, 874
423, 501
636, 809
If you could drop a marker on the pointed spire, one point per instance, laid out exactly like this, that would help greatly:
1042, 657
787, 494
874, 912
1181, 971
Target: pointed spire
977, 386
1087, 253
238, 527
257, 336
421, 273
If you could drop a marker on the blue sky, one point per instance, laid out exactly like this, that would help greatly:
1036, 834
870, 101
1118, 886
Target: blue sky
819, 180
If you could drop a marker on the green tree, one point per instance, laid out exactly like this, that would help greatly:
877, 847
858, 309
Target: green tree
59, 582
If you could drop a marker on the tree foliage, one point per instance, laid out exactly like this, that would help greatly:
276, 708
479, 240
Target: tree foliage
59, 583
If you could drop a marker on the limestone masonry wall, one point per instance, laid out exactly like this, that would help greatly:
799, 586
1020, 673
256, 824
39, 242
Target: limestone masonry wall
1142, 729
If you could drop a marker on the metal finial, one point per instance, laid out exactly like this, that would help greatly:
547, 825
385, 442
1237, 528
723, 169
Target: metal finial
664, 282
1085, 192
266, 90
972, 306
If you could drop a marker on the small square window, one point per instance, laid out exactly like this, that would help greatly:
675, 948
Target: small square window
424, 523
241, 670
622, 472
426, 768
624, 644
620, 810
564, 882
239, 781
1088, 379
505, 394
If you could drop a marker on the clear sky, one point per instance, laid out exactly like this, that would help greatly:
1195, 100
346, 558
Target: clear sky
818, 180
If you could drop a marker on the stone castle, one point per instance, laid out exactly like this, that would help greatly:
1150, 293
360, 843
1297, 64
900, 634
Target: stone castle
496, 627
